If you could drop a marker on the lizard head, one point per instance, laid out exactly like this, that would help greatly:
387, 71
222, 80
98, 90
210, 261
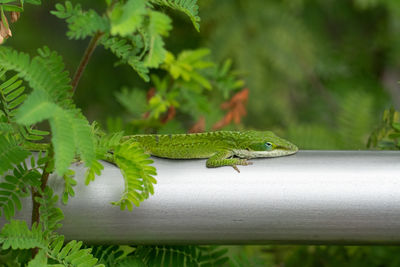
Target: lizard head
266, 144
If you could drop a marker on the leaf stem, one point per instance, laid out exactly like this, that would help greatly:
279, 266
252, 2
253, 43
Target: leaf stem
85, 59
38, 193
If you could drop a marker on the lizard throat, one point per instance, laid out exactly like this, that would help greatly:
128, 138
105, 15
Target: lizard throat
243, 153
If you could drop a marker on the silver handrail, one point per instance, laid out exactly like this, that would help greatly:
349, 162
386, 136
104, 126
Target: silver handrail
336, 197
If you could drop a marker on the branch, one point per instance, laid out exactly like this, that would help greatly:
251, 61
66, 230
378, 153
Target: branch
85, 59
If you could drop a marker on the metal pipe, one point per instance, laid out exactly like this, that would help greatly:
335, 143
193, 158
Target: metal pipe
341, 197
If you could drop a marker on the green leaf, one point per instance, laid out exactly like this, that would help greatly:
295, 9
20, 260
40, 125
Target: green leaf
133, 100
36, 108
126, 18
157, 52
187, 65
189, 7
159, 23
40, 259
50, 214
137, 173
80, 23
95, 169
63, 140
10, 153
17, 235
11, 8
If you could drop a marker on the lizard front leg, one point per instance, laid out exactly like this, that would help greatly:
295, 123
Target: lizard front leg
222, 158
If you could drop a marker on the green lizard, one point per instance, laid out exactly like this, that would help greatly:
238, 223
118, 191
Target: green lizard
222, 148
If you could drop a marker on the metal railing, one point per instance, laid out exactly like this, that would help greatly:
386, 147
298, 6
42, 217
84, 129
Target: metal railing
337, 197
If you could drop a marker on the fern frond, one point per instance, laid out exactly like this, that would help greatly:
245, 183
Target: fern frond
11, 95
355, 120
80, 23
313, 136
39, 260
31, 134
10, 153
71, 254
137, 173
168, 255
127, 17
139, 67
45, 72
84, 139
212, 255
117, 46
71, 131
17, 235
187, 65
15, 187
50, 214
159, 25
157, 52
189, 7
36, 108
177, 256
127, 53
69, 183
92, 171
107, 255
63, 140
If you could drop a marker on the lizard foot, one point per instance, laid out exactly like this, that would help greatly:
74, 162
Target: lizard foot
244, 163
236, 168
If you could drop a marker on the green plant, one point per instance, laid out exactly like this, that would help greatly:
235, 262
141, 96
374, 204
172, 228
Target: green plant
39, 89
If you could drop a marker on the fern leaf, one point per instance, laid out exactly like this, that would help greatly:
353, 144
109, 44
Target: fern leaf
17, 235
137, 173
10, 153
80, 23
126, 53
212, 256
16, 186
139, 67
107, 255
159, 25
36, 108
5, 128
72, 254
50, 214
189, 7
157, 52
117, 46
11, 95
126, 18
84, 140
69, 183
45, 72
63, 140
355, 119
40, 259
93, 170
168, 255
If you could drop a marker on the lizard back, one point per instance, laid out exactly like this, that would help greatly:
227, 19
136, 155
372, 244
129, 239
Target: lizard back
185, 146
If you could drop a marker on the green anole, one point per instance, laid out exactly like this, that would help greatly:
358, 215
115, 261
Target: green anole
221, 148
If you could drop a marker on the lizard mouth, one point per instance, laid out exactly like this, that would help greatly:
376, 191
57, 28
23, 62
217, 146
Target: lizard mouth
277, 152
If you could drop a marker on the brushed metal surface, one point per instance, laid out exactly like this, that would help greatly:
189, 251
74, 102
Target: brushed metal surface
311, 197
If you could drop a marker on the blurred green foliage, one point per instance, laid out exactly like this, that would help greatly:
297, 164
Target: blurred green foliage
320, 72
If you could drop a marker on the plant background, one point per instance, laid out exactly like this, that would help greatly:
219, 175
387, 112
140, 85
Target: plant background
319, 72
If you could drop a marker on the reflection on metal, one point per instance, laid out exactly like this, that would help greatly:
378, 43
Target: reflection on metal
311, 197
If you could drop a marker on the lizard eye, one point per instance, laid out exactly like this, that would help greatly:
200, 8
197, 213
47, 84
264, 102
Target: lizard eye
268, 146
